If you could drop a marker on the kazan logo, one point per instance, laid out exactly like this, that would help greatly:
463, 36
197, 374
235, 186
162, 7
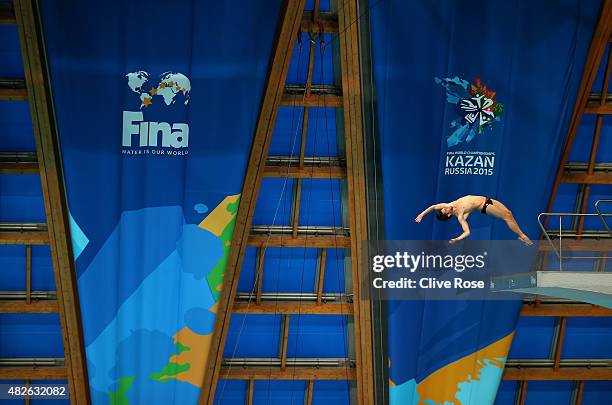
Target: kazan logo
475, 105
169, 89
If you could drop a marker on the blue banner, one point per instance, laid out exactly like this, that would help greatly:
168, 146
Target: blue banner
473, 98
157, 105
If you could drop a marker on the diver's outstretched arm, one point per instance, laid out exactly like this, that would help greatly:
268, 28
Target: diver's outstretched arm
429, 209
466, 230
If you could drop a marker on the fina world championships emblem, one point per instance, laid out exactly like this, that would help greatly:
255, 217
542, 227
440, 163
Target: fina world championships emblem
477, 112
164, 101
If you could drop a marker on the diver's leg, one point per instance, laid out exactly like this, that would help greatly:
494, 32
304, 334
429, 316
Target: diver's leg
499, 210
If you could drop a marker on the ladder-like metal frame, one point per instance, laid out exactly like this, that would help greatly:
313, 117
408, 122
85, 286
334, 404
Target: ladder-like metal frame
585, 174
277, 93
36, 88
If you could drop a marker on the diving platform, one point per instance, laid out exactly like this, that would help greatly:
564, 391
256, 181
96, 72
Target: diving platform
582, 286
577, 261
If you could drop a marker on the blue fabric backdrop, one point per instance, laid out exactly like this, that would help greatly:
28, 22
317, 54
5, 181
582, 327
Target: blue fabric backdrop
531, 54
156, 104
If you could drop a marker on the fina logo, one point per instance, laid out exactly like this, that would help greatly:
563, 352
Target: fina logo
169, 88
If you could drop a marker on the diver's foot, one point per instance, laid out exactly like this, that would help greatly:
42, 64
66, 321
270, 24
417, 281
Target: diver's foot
525, 239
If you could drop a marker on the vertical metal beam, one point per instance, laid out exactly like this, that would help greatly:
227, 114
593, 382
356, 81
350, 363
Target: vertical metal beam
28, 274
250, 392
521, 393
311, 56
599, 119
27, 398
348, 23
295, 207
321, 275
579, 392
606, 81
374, 192
304, 132
309, 391
315, 12
290, 22
284, 341
298, 185
577, 206
594, 144
583, 208
559, 347
554, 341
47, 147
259, 264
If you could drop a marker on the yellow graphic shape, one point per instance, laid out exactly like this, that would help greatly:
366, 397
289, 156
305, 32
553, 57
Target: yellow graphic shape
219, 222
442, 385
220, 217
391, 383
196, 356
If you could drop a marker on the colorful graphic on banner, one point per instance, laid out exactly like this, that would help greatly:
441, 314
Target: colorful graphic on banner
476, 375
476, 106
168, 86
171, 314
153, 175
477, 109
155, 137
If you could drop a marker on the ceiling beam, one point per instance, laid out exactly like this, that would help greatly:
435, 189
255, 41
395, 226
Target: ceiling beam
13, 90
24, 238
18, 163
309, 95
576, 245
564, 310
286, 308
586, 178
289, 373
37, 81
305, 172
19, 168
289, 26
314, 100
34, 307
306, 241
562, 374
514, 370
596, 108
33, 373
326, 22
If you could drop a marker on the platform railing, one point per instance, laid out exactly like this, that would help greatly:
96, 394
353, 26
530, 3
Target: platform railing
603, 216
559, 249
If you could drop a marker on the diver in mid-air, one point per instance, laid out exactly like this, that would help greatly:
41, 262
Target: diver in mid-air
463, 207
